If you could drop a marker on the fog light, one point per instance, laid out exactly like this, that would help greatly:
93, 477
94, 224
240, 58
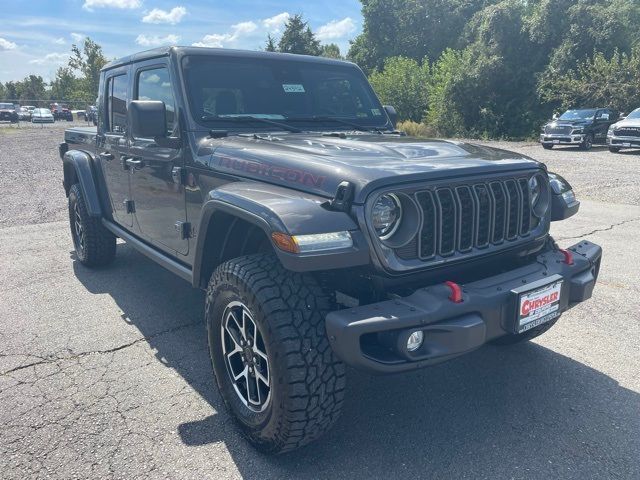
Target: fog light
415, 340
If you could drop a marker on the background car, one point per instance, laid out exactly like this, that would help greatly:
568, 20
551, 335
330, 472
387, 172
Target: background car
91, 114
580, 127
24, 114
625, 133
8, 113
42, 115
61, 112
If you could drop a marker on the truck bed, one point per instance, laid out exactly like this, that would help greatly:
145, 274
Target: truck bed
81, 136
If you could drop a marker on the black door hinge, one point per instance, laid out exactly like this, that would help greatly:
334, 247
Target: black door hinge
129, 206
184, 229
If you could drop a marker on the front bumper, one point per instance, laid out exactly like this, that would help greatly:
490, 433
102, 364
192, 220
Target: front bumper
623, 142
372, 337
560, 139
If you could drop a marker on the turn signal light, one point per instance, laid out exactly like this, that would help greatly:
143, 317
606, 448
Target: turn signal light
285, 242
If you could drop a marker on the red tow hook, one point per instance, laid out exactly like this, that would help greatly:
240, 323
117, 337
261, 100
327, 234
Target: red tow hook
568, 256
456, 291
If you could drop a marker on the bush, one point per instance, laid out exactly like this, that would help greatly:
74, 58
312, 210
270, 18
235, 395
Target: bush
415, 129
403, 84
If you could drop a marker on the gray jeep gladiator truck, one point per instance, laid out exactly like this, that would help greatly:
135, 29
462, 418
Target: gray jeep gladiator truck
323, 237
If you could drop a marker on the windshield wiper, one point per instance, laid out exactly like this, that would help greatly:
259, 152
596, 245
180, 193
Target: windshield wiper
249, 118
328, 118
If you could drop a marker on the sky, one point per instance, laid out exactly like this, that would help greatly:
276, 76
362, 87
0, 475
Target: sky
36, 35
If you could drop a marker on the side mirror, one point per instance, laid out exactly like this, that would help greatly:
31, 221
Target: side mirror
555, 116
147, 119
392, 114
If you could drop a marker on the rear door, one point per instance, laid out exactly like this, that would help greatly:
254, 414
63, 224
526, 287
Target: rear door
601, 125
156, 170
113, 145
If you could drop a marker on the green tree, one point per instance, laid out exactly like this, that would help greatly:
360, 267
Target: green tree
3, 91
331, 50
88, 60
598, 81
403, 83
270, 46
298, 38
12, 90
65, 85
32, 88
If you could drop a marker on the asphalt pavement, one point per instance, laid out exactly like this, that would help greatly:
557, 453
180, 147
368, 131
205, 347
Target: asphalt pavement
105, 373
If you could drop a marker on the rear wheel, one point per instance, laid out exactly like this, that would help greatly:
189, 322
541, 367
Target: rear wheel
272, 360
94, 245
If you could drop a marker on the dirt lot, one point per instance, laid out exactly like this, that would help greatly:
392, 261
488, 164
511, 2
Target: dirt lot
106, 374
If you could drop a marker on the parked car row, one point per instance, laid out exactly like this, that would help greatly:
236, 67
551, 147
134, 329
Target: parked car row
585, 127
10, 112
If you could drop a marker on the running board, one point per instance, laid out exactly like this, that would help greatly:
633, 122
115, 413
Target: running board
149, 251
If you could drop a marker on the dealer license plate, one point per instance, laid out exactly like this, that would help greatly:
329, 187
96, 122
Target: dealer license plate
626, 144
539, 306
556, 141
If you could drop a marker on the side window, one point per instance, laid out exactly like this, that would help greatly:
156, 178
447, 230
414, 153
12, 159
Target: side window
155, 84
117, 104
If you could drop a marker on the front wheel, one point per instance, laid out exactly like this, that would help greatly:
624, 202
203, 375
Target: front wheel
271, 357
547, 146
587, 143
614, 149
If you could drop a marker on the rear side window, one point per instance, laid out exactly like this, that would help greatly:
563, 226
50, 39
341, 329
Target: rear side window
117, 104
155, 84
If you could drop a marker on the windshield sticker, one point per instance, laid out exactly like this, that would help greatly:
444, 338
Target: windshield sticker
376, 112
293, 88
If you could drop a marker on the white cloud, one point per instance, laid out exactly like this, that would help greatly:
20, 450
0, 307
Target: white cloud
91, 4
51, 59
59, 41
156, 40
336, 29
162, 16
77, 37
275, 23
6, 45
218, 40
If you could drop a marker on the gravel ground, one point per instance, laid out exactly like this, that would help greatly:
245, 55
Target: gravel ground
105, 374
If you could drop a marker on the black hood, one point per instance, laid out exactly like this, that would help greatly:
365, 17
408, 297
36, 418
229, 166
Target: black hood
318, 163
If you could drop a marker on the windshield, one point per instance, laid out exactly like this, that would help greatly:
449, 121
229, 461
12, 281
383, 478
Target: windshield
634, 114
282, 90
586, 114
6, 106
42, 111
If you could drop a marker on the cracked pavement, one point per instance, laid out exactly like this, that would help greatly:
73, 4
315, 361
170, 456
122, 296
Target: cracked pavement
105, 374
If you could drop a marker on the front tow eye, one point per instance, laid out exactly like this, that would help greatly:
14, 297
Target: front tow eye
456, 291
568, 256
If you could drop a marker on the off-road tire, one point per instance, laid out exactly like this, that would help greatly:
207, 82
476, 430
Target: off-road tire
546, 146
614, 149
307, 379
587, 144
526, 336
98, 247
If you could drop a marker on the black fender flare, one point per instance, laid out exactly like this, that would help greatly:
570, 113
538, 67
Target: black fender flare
277, 209
78, 168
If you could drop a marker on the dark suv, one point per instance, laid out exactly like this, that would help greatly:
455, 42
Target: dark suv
322, 236
582, 127
8, 113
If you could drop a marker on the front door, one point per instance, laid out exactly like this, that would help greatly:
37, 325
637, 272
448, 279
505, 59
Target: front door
157, 191
113, 146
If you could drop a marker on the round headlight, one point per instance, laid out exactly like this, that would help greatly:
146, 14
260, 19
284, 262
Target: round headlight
386, 215
538, 193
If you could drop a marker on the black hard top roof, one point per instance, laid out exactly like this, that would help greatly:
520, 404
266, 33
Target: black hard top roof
227, 52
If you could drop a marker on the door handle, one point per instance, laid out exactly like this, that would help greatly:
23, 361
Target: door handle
133, 163
106, 156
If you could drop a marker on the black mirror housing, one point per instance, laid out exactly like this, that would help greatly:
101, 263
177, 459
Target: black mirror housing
147, 119
392, 114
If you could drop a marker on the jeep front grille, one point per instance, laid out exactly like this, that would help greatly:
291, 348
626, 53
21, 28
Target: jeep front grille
468, 218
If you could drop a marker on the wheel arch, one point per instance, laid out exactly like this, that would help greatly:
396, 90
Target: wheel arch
77, 168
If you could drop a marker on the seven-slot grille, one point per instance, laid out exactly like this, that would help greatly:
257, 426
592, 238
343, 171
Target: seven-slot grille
558, 129
462, 218
627, 131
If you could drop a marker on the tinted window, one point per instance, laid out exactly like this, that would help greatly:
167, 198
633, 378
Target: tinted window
117, 104
155, 84
278, 89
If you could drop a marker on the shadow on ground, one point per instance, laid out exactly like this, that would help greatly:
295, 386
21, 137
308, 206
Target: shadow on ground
515, 412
